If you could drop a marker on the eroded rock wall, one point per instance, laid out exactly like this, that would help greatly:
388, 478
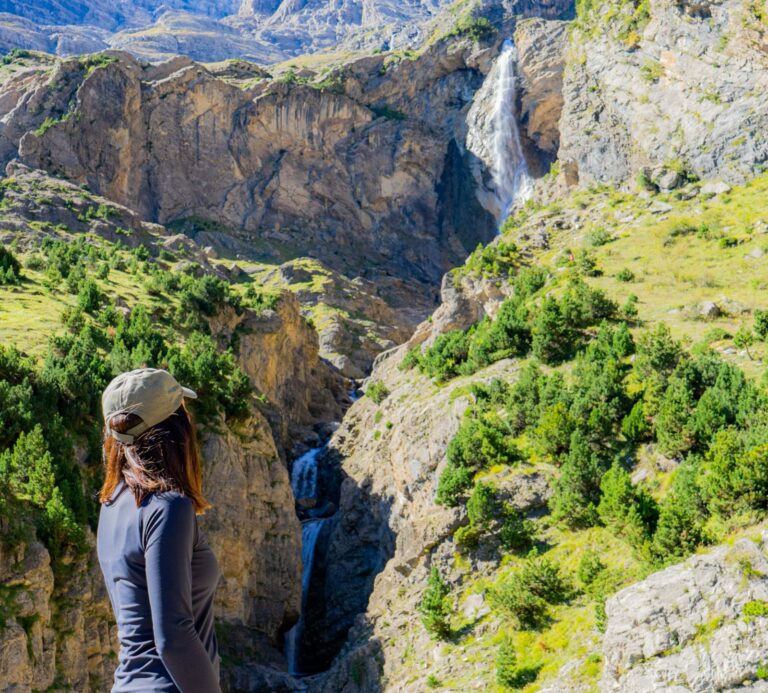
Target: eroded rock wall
340, 174
685, 629
689, 87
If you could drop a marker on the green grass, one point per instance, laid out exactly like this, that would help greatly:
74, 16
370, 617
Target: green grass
673, 270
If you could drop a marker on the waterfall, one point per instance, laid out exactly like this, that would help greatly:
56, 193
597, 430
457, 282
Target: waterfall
310, 531
304, 475
511, 179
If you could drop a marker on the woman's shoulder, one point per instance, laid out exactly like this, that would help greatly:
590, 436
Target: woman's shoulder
167, 508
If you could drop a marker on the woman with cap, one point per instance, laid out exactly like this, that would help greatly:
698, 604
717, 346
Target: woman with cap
161, 574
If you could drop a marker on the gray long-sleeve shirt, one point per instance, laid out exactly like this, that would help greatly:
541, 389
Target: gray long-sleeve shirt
161, 576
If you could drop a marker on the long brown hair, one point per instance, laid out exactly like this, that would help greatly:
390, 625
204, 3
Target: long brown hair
163, 458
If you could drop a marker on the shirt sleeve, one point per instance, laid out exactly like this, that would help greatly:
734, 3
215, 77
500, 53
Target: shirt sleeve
169, 536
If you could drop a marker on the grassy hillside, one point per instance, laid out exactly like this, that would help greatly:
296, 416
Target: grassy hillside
637, 327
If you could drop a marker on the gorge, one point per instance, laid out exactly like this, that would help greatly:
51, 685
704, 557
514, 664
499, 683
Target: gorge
477, 316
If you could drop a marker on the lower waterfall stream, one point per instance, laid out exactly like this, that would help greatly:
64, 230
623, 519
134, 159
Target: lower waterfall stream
304, 482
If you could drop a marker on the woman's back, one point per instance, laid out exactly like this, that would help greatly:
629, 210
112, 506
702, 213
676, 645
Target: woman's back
161, 577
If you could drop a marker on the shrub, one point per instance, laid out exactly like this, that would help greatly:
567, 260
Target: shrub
761, 324
509, 674
479, 443
673, 424
552, 436
203, 295
657, 353
444, 359
553, 337
651, 71
754, 609
482, 506
377, 391
412, 359
629, 310
743, 339
506, 336
453, 482
635, 425
586, 263
522, 402
434, 608
214, 375
495, 260
526, 594
89, 297
10, 268
467, 537
516, 532
598, 237
475, 28
682, 513
625, 275
590, 568
28, 468
577, 489
626, 510
59, 528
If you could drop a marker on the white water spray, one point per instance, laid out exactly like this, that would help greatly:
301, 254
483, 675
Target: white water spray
304, 475
511, 179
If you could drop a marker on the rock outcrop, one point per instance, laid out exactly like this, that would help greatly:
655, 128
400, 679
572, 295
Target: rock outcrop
353, 321
340, 176
54, 633
685, 628
687, 87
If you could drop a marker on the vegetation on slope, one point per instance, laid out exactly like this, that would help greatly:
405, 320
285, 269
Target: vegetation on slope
106, 309
657, 443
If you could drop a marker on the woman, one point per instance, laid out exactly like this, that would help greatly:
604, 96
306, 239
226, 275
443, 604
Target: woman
161, 574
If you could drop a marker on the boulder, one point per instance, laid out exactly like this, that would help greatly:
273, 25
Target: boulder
715, 188
708, 310
666, 179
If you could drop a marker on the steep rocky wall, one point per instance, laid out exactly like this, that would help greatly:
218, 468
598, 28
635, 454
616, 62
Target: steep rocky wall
309, 170
279, 351
684, 628
689, 86
54, 634
389, 532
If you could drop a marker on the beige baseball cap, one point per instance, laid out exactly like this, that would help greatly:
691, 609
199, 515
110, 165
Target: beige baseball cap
151, 393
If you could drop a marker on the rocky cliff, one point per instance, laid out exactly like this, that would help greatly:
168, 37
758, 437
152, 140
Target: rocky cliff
676, 82
336, 172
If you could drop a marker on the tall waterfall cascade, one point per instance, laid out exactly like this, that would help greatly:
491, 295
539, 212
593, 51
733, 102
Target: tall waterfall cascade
512, 181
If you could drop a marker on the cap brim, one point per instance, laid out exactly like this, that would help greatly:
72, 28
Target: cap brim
190, 394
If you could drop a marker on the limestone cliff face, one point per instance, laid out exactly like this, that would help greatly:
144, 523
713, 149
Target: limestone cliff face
689, 87
684, 628
340, 176
54, 635
260, 558
279, 351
